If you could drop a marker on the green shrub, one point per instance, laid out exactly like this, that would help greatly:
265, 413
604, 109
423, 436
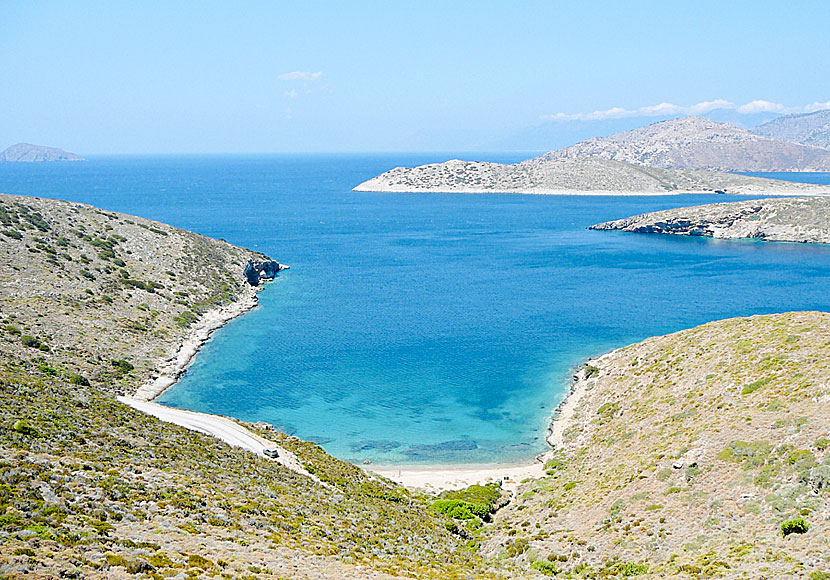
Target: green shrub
460, 510
546, 568
818, 575
821, 443
591, 371
752, 387
30, 341
608, 410
123, 366
794, 526
22, 427
47, 370
753, 454
78, 380
12, 330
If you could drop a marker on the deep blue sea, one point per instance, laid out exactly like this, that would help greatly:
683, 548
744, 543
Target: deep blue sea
426, 328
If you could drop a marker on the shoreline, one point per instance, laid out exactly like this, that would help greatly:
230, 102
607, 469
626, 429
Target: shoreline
432, 477
179, 359
173, 367
439, 478
594, 193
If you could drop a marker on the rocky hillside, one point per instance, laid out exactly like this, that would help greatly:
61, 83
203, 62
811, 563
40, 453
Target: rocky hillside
781, 220
24, 152
578, 176
807, 128
701, 454
92, 302
697, 143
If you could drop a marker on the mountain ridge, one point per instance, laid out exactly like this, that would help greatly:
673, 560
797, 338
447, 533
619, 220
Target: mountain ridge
698, 143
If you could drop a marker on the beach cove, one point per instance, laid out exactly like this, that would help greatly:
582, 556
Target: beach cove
462, 318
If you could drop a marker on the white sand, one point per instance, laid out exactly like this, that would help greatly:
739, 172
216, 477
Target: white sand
443, 477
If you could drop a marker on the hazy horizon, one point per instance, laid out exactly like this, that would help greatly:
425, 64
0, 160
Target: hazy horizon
254, 77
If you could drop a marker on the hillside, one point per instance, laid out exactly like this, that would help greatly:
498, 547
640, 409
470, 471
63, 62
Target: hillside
697, 143
806, 128
25, 152
781, 220
689, 456
575, 176
92, 303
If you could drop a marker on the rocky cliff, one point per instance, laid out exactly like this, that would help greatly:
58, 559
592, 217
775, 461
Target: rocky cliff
25, 152
697, 143
783, 220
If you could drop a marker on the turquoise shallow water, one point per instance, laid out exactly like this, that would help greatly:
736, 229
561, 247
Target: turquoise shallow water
426, 328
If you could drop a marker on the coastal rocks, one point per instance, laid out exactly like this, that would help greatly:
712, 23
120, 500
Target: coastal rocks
783, 220
256, 271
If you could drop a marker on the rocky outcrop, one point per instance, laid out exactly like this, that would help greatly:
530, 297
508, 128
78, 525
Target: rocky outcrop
580, 176
781, 220
697, 143
256, 271
25, 152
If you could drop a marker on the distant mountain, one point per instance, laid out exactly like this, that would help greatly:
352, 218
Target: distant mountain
697, 143
807, 128
25, 152
559, 133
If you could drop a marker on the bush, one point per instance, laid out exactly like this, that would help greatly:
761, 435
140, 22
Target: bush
47, 370
24, 428
78, 380
546, 568
459, 509
794, 526
30, 341
12, 330
591, 371
123, 366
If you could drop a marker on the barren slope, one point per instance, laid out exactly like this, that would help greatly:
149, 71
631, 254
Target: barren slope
686, 456
579, 176
697, 143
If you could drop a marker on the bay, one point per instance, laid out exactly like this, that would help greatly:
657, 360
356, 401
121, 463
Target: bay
426, 328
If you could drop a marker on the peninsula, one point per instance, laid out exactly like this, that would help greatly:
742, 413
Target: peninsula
575, 176
781, 220
27, 153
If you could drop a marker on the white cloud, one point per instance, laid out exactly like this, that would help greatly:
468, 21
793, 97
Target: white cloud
816, 106
292, 94
761, 106
666, 109
299, 75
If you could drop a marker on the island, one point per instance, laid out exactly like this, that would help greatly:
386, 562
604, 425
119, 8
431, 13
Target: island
805, 220
27, 153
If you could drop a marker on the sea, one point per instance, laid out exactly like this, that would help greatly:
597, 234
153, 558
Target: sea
421, 329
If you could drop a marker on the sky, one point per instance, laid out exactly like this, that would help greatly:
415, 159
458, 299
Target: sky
348, 76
